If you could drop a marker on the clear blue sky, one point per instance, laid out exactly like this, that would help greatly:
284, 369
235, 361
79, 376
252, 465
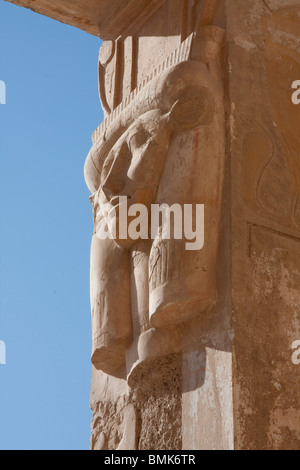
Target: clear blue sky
50, 71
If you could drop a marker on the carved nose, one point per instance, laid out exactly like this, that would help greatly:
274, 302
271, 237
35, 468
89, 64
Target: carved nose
115, 171
113, 185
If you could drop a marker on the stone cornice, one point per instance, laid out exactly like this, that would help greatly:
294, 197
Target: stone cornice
104, 18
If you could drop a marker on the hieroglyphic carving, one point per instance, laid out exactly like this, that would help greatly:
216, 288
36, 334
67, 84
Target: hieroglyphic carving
119, 433
283, 56
273, 155
267, 181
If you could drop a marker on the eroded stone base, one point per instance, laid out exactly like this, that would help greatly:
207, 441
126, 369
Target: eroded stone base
149, 416
158, 395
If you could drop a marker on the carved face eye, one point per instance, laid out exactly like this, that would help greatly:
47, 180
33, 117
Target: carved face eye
139, 139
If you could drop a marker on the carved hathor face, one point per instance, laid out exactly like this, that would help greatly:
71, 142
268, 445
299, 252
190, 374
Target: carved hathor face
137, 158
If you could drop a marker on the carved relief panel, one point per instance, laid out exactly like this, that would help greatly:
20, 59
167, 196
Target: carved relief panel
273, 175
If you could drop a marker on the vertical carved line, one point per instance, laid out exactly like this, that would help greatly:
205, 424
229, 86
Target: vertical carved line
162, 268
102, 309
184, 19
190, 15
102, 93
158, 269
197, 12
135, 47
164, 263
119, 71
176, 56
204, 12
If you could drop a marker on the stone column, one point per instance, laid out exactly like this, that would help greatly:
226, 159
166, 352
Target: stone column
193, 349
263, 62
162, 314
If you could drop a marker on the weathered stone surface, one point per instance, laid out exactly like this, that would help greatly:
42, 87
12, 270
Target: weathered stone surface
258, 263
164, 128
264, 60
192, 350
